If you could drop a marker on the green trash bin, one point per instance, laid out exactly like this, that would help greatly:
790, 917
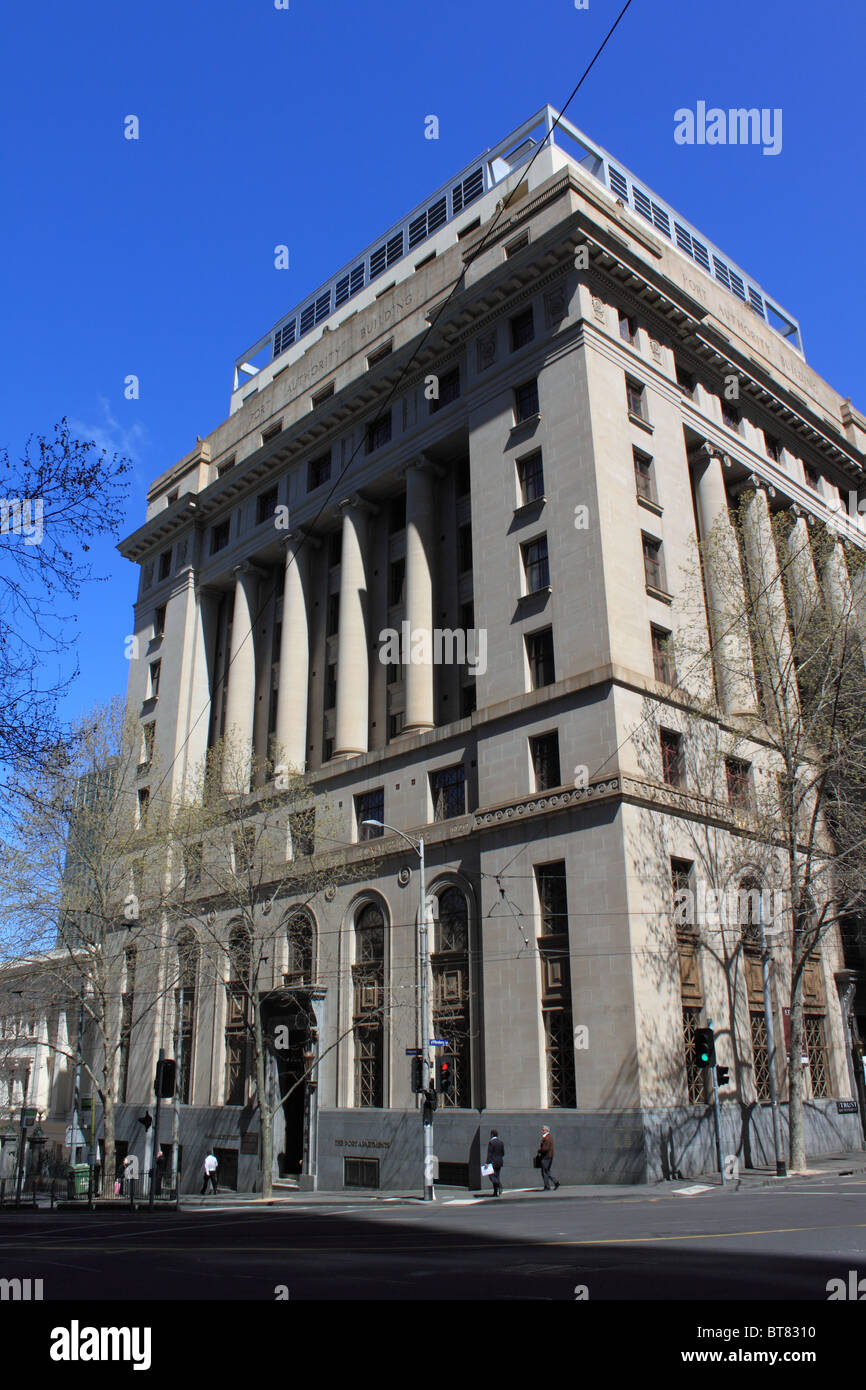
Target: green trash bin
78, 1180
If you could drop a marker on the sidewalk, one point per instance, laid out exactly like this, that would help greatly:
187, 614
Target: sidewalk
287, 1195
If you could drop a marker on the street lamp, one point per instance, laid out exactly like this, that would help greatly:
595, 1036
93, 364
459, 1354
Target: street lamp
426, 1068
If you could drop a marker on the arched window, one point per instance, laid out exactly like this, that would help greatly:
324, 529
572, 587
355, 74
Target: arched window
237, 1015
301, 933
187, 978
368, 977
451, 1015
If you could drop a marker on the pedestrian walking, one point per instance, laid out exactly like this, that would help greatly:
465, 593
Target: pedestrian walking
160, 1172
211, 1167
545, 1153
495, 1160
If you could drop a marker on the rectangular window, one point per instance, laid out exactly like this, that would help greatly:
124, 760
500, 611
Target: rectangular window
192, 862
396, 582
148, 731
397, 514
219, 536
812, 478
331, 686
155, 668
159, 621
522, 329
517, 244
165, 564
526, 401
302, 829
738, 775
332, 615
468, 700
464, 548
773, 447
653, 566
730, 416
539, 652
318, 471
672, 757
325, 394
224, 467
530, 475
244, 847
535, 565
686, 381
380, 353
815, 1048
663, 656
627, 328
370, 806
552, 897
544, 750
172, 497
449, 390
644, 476
636, 397
448, 790
379, 433
360, 1172
760, 1054
266, 506
271, 432
143, 804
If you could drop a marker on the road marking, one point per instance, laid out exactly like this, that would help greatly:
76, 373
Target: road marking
692, 1191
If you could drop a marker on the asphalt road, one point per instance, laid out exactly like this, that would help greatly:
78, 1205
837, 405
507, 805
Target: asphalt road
756, 1244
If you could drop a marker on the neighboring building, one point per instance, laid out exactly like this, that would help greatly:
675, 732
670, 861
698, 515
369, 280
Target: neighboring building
543, 504
38, 1035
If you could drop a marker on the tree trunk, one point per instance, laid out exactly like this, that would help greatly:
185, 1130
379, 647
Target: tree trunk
267, 1158
108, 1163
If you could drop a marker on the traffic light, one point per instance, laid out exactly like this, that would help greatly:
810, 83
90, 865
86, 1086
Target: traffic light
705, 1047
723, 1076
417, 1074
146, 1119
445, 1073
166, 1075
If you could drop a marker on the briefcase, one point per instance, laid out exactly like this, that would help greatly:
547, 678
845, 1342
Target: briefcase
536, 1162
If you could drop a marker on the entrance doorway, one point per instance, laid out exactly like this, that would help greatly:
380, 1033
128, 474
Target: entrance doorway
290, 1026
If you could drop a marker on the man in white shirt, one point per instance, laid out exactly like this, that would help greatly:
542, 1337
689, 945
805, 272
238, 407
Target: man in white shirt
210, 1172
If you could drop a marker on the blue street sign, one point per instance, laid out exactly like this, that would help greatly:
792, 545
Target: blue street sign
438, 1042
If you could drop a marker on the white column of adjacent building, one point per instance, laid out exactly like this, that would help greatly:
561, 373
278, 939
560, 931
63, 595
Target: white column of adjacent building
725, 591
804, 590
241, 693
418, 675
353, 644
769, 612
293, 692
839, 592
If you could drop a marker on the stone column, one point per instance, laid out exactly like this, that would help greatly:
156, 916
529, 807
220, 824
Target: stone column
804, 590
419, 596
768, 611
241, 693
293, 692
353, 645
840, 595
726, 597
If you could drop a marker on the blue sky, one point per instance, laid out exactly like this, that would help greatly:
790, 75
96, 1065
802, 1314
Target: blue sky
305, 126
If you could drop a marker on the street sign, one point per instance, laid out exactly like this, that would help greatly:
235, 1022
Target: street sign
438, 1042
414, 1051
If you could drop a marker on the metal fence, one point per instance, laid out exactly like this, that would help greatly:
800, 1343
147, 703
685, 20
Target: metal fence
48, 1189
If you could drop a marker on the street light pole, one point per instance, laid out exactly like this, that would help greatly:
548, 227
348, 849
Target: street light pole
781, 1166
426, 1066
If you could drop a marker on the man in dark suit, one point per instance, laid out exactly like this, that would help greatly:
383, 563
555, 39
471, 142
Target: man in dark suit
496, 1158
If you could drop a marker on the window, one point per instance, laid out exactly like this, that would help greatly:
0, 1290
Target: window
462, 479
517, 244
686, 381
760, 1053
812, 478
694, 1073
155, 668
738, 775
172, 497
237, 1014
159, 621
187, 972
636, 398
266, 505
448, 790
539, 652
224, 467
397, 514
148, 732
464, 548
379, 433
449, 390
127, 1002
300, 932
556, 1011
627, 328
535, 565
396, 582
530, 476
522, 329
244, 847
302, 831
544, 750
368, 978
380, 353
192, 862
361, 1172
470, 227
672, 757
331, 685
552, 899
526, 401
451, 1017
319, 397
654, 573
663, 657
143, 804
468, 700
271, 432
644, 477
370, 806
219, 536
730, 416
332, 615
815, 1048
165, 564
773, 447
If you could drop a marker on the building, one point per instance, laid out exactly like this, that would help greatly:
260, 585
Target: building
494, 432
